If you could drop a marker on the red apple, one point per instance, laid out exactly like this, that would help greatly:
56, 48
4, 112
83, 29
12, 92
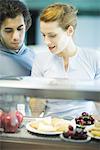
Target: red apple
19, 116
10, 122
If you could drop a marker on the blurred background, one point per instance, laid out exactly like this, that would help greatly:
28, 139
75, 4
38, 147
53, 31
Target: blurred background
88, 29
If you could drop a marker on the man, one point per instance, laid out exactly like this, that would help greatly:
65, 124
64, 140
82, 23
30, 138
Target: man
15, 58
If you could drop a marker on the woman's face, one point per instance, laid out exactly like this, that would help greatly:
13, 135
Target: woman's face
55, 37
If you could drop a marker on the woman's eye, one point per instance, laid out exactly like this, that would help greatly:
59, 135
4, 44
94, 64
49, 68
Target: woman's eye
43, 35
49, 36
52, 36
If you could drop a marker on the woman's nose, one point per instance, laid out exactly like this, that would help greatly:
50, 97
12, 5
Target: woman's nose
47, 40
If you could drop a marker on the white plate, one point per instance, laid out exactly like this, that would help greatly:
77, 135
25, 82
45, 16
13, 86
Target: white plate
33, 130
72, 140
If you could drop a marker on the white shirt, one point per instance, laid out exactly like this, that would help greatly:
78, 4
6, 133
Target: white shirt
85, 65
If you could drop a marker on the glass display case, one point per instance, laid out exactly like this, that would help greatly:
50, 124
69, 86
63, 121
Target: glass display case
16, 94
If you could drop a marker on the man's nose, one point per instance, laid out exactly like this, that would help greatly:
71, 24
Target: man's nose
15, 35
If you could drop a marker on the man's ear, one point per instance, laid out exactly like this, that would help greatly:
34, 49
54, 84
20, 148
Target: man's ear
0, 35
70, 31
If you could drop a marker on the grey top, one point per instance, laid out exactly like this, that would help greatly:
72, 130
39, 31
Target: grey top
16, 63
85, 65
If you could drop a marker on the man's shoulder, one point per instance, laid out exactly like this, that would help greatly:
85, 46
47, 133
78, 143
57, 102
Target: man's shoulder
28, 51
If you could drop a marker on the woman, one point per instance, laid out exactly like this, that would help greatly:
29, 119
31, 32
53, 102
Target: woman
64, 58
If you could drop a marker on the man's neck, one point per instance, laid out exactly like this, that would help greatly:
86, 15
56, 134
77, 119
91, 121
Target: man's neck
10, 50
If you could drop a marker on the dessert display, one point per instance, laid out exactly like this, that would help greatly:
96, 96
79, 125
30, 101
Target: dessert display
50, 124
95, 130
79, 133
85, 119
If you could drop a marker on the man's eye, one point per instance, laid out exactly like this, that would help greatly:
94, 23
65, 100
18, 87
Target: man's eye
19, 29
8, 31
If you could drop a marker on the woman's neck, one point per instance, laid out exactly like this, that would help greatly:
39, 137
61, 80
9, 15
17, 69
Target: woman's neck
67, 53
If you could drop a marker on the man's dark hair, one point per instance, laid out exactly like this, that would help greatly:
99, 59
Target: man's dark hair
13, 8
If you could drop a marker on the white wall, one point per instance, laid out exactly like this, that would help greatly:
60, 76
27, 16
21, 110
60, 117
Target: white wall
87, 32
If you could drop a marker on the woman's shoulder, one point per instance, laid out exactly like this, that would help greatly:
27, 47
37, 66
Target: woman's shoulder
90, 52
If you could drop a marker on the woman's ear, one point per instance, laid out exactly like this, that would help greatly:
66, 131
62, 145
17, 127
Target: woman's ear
70, 31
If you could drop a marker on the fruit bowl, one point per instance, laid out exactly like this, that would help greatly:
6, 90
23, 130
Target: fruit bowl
85, 119
79, 134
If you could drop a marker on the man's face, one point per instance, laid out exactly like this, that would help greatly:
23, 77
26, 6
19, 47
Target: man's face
12, 32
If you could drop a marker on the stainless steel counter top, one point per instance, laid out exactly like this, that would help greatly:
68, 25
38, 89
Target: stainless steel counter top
52, 88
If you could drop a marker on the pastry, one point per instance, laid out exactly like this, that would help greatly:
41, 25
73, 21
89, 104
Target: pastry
49, 124
95, 131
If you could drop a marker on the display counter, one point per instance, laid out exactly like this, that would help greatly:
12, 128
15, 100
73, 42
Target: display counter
24, 140
19, 142
46, 88
51, 88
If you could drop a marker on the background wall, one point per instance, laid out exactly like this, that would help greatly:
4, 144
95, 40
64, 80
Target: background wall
87, 32
88, 28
